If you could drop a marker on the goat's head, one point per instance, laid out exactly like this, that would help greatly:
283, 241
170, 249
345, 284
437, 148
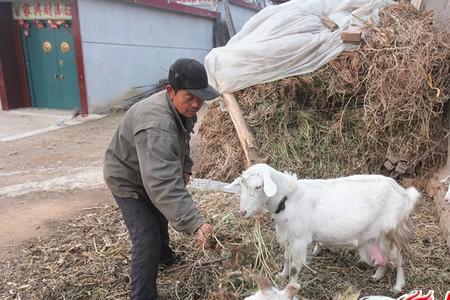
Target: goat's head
268, 292
447, 194
256, 187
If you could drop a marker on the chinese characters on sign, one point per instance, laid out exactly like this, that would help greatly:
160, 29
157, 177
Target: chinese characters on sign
42, 10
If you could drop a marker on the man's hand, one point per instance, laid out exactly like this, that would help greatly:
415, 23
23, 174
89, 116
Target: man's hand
202, 235
186, 178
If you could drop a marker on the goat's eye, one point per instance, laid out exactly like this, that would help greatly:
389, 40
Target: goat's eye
259, 187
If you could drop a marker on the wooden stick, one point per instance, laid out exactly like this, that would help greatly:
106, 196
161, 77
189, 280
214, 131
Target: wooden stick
246, 137
229, 18
434, 188
330, 24
444, 215
351, 35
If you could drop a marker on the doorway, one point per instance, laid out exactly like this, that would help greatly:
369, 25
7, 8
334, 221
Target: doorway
51, 64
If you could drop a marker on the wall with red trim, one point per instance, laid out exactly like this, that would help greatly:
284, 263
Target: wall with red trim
127, 45
240, 11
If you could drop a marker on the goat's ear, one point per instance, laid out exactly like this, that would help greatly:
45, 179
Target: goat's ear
234, 183
263, 283
292, 289
270, 188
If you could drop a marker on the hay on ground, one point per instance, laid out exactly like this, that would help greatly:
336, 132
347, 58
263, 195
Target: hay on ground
88, 258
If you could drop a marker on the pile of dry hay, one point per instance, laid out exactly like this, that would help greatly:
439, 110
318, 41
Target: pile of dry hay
377, 109
88, 258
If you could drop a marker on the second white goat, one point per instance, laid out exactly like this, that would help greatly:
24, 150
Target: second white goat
367, 212
268, 292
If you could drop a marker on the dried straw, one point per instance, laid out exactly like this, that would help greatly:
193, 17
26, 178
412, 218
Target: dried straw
88, 258
384, 101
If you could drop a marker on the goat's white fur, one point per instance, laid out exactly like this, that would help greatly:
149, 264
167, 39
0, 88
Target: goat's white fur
359, 211
268, 292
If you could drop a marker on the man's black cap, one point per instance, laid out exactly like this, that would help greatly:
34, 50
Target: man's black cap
189, 74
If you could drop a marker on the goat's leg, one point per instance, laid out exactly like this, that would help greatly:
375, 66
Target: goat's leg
317, 249
287, 258
400, 280
298, 258
381, 270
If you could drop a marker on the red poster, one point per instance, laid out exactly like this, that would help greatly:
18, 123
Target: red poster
37, 9
47, 8
67, 10
58, 11
26, 10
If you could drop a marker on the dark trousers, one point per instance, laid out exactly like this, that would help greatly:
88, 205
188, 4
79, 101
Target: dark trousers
148, 230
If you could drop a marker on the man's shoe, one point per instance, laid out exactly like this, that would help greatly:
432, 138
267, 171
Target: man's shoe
169, 262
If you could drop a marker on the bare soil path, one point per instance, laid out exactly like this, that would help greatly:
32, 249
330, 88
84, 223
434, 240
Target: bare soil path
55, 176
51, 177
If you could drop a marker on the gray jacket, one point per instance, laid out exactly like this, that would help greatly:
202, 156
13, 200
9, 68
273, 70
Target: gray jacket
148, 154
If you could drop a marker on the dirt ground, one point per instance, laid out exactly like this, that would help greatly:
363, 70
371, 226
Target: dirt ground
55, 176
51, 177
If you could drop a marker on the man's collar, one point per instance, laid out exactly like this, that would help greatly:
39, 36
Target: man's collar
175, 113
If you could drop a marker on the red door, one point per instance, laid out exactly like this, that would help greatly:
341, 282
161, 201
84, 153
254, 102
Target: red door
13, 83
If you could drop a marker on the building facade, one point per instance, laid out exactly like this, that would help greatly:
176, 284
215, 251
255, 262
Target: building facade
90, 54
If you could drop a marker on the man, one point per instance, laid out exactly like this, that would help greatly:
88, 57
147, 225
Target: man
147, 167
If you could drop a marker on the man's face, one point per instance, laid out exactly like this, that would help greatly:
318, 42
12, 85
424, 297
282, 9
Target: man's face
186, 104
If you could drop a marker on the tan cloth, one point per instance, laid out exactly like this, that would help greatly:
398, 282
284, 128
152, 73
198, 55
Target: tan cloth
148, 154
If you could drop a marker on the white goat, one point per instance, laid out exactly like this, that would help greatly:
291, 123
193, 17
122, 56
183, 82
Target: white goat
367, 212
268, 292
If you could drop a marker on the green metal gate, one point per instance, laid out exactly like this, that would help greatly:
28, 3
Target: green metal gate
52, 69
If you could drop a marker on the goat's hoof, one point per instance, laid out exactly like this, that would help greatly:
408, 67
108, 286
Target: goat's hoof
397, 289
376, 277
316, 251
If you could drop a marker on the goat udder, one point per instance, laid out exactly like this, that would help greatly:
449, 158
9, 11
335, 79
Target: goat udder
377, 256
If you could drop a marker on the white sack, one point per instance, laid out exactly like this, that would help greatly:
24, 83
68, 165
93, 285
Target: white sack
286, 40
